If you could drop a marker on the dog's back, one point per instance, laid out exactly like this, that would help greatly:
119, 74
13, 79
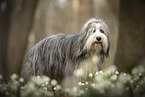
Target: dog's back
49, 57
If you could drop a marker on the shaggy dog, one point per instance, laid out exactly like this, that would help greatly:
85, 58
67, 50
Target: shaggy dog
59, 55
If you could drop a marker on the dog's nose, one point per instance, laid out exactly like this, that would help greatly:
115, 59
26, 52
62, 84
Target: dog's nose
98, 38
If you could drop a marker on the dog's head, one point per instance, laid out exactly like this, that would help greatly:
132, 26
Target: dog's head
94, 37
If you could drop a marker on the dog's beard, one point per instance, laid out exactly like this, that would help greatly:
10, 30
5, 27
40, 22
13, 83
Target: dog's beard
95, 47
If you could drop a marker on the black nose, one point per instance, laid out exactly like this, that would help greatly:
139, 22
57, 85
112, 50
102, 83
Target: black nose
98, 38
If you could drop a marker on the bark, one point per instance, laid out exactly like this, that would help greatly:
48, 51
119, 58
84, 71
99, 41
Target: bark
131, 44
5, 14
16, 24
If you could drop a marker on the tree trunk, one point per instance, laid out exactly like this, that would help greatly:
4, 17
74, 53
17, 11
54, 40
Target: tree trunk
15, 31
5, 14
85, 11
131, 43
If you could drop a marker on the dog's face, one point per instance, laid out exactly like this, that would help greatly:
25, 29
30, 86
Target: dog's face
96, 37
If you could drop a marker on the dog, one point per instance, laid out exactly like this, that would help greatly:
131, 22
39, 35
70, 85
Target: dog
59, 55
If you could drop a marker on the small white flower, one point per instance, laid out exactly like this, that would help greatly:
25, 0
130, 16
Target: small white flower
108, 72
74, 89
45, 79
53, 82
97, 73
100, 71
21, 80
111, 69
67, 90
79, 72
93, 85
114, 77
38, 77
46, 83
99, 78
43, 85
14, 76
80, 83
54, 88
116, 72
23, 88
138, 69
90, 75
82, 91
45, 88
140, 74
31, 86
86, 83
123, 77
58, 87
124, 74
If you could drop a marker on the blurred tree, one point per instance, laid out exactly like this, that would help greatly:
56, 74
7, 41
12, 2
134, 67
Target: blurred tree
85, 11
5, 14
131, 43
108, 10
17, 19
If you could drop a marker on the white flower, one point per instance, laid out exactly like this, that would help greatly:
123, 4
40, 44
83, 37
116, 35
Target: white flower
111, 69
54, 88
99, 78
21, 80
108, 72
124, 74
31, 86
46, 83
79, 72
93, 85
116, 72
86, 83
90, 75
23, 87
38, 77
58, 87
123, 77
67, 90
80, 83
45, 88
138, 69
36, 80
14, 77
45, 79
53, 82
114, 77
97, 73
100, 72
74, 90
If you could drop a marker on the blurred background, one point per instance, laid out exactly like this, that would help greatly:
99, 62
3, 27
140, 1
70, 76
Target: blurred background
23, 23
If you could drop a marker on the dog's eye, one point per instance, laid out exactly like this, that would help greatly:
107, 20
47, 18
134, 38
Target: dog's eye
102, 31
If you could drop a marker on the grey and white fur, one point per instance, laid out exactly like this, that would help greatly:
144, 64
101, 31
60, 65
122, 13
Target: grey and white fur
59, 55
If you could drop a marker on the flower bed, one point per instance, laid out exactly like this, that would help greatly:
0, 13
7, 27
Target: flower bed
106, 83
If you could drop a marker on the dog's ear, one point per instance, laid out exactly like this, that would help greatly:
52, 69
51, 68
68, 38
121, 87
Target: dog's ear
107, 52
